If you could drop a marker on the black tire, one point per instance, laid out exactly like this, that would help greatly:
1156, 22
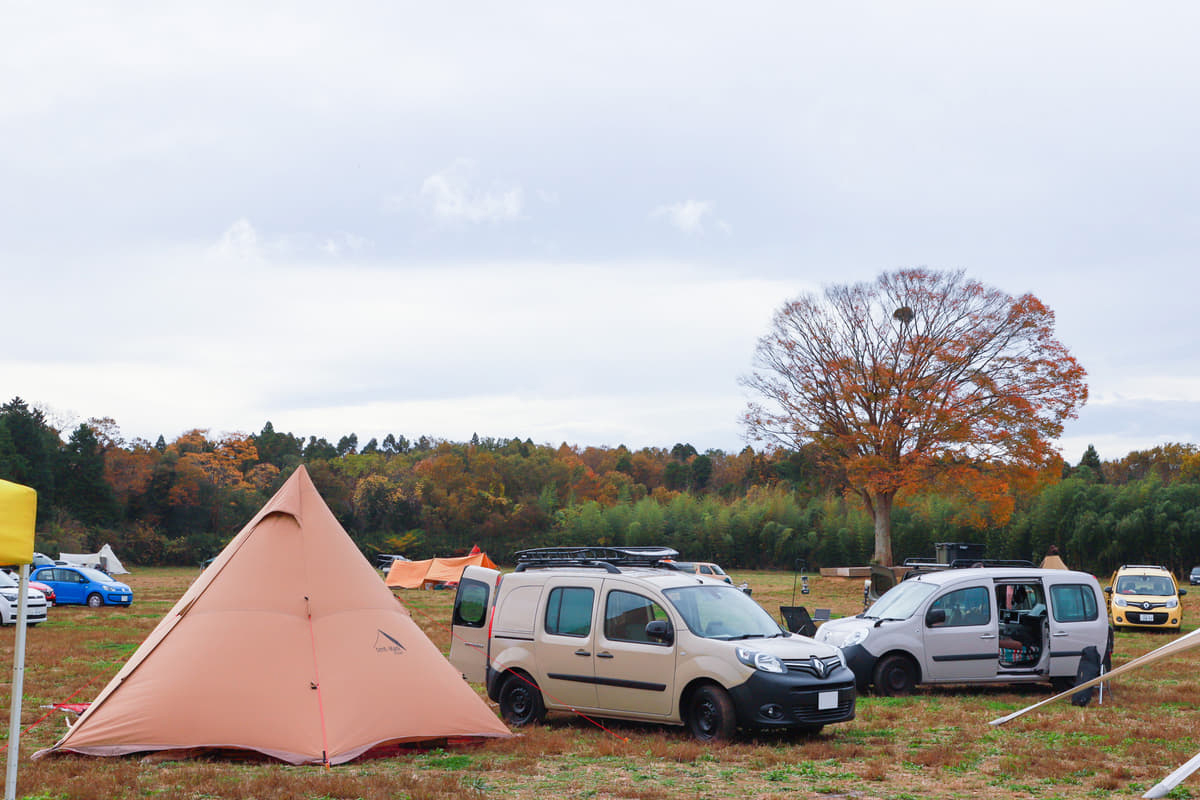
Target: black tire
710, 716
521, 701
95, 600
895, 675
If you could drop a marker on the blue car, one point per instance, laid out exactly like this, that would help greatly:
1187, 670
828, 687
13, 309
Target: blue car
82, 585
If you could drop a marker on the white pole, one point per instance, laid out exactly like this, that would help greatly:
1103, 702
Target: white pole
18, 689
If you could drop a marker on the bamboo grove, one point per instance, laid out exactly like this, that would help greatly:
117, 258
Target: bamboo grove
178, 502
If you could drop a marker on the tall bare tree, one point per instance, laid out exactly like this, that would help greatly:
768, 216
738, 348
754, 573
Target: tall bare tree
917, 376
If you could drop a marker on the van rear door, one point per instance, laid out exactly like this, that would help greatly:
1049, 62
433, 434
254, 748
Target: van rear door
1077, 620
469, 621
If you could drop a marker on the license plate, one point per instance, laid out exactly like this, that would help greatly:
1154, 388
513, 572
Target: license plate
827, 701
1146, 617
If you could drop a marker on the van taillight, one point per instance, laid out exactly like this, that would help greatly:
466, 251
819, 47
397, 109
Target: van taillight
492, 613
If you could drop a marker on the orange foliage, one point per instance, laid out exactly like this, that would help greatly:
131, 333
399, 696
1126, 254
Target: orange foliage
129, 471
919, 373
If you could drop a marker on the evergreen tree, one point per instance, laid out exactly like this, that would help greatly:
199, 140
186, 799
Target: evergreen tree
79, 478
276, 448
1090, 468
702, 469
35, 445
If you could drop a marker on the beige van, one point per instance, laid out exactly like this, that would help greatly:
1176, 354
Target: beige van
612, 632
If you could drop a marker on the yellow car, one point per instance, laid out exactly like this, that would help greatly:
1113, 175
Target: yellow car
1144, 596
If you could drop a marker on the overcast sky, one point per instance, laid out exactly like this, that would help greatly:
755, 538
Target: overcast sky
572, 221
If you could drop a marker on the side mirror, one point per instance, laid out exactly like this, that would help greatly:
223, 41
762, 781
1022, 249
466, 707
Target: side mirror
1108, 590
1182, 592
660, 631
936, 616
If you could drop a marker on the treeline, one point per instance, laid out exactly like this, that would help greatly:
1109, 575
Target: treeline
179, 502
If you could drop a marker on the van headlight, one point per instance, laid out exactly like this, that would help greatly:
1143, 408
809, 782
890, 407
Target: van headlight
1173, 602
759, 660
9, 596
857, 636
1120, 602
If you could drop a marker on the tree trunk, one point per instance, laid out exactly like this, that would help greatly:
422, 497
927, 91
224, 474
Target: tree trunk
881, 510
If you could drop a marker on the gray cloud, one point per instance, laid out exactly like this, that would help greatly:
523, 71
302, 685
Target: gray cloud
552, 207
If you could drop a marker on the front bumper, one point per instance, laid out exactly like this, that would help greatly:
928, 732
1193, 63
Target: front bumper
791, 699
862, 663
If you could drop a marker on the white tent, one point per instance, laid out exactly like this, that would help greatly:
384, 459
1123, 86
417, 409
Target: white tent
105, 559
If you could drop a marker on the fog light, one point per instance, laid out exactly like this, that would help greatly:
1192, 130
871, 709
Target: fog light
1120, 619
771, 711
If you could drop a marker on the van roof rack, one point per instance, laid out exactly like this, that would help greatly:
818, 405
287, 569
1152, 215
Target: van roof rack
929, 564
607, 558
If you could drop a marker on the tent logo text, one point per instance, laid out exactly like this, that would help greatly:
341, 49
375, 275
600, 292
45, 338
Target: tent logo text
386, 644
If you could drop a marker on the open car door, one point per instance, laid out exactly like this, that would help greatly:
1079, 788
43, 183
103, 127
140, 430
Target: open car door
470, 623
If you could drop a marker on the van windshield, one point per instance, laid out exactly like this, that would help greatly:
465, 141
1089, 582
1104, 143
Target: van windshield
1153, 585
901, 601
722, 612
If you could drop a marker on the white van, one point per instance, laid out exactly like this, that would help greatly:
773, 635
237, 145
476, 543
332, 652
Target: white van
975, 625
613, 632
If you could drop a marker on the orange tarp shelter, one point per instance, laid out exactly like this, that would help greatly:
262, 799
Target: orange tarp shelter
288, 644
432, 571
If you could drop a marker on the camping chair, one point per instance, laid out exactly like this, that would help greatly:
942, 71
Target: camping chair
820, 615
797, 620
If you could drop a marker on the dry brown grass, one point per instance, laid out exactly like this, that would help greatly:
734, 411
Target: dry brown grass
934, 744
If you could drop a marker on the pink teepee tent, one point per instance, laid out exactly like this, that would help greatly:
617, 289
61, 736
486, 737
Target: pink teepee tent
287, 644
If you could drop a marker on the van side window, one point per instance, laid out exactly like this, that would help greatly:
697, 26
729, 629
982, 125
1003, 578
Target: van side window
965, 607
569, 611
1073, 602
626, 615
471, 604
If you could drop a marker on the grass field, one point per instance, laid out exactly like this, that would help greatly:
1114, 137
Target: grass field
936, 743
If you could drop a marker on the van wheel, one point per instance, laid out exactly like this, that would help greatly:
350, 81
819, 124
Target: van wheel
895, 675
521, 701
95, 600
710, 714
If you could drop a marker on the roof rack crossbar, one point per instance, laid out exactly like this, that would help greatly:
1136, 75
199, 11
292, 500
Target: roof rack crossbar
607, 558
963, 563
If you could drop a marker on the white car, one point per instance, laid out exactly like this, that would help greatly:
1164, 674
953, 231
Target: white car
975, 625
35, 602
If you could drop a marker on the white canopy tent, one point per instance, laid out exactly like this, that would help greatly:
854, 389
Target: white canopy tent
104, 559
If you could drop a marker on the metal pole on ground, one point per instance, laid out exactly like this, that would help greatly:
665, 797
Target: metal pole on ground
18, 688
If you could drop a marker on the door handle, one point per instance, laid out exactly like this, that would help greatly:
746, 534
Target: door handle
605, 654
582, 652
987, 636
1060, 633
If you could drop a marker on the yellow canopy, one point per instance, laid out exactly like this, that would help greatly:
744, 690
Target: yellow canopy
18, 515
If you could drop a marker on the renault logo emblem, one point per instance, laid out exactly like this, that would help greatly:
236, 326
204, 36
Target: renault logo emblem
818, 667
1146, 605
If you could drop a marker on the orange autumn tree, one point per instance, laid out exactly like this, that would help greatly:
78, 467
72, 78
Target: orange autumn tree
920, 376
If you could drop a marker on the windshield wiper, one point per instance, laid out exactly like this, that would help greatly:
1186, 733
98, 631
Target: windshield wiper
747, 636
880, 620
